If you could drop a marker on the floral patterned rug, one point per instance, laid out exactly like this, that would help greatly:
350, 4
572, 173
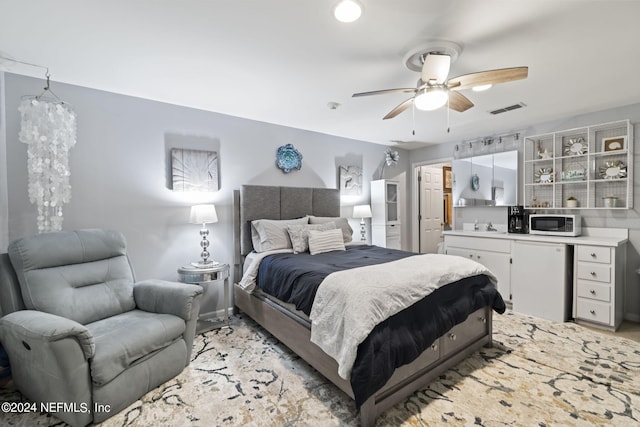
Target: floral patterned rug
538, 373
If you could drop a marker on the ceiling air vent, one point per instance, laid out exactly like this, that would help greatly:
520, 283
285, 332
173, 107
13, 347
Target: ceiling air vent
509, 108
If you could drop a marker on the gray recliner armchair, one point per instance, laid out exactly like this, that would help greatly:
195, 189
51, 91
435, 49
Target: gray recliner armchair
82, 332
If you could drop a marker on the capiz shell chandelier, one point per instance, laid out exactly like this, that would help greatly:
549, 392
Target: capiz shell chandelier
49, 130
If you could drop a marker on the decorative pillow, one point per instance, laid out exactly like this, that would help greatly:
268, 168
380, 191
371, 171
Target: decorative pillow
299, 234
342, 223
325, 241
271, 234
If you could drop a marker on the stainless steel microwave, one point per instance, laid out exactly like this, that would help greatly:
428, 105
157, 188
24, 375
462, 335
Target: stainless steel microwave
554, 224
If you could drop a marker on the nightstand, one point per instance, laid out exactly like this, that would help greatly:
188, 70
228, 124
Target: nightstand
205, 277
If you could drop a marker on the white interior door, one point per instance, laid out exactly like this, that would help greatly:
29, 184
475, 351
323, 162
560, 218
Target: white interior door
431, 208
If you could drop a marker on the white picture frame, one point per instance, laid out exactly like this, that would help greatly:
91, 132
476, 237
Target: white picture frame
614, 143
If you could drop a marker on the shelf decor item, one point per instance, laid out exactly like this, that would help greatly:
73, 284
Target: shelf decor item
544, 176
610, 201
571, 202
574, 174
613, 170
288, 158
576, 147
616, 143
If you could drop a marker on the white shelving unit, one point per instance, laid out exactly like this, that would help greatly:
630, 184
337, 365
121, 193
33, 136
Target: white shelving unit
385, 210
586, 163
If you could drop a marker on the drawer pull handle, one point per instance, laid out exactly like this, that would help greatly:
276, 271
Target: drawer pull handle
593, 273
471, 256
453, 337
482, 319
593, 254
592, 292
478, 256
434, 346
592, 312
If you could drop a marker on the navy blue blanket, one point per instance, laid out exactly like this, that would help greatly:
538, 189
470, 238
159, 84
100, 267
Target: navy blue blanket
294, 278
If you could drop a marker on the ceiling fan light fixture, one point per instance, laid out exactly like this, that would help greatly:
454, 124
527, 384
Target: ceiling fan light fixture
481, 88
347, 11
431, 98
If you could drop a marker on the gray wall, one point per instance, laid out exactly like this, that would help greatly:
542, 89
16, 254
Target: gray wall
628, 218
120, 171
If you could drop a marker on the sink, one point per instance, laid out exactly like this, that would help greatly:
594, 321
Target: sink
488, 232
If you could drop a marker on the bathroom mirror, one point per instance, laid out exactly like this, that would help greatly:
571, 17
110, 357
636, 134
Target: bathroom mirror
487, 180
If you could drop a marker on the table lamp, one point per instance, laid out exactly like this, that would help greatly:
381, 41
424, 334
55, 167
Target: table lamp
204, 214
362, 212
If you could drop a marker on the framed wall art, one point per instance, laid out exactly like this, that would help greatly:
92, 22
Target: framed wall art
350, 181
615, 143
194, 170
447, 179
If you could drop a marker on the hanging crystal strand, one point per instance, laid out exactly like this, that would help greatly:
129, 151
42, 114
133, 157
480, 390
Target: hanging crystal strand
49, 130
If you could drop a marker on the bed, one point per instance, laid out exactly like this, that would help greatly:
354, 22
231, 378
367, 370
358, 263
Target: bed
291, 324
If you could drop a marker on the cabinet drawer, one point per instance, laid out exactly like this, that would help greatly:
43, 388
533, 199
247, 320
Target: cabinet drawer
393, 230
593, 310
479, 243
594, 290
474, 327
594, 254
593, 271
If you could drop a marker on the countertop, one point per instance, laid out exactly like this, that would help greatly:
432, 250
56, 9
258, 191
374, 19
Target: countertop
612, 237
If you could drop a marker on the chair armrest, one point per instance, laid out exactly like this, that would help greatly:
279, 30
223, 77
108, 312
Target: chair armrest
46, 327
161, 296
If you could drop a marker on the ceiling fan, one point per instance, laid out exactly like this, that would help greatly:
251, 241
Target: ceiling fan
434, 90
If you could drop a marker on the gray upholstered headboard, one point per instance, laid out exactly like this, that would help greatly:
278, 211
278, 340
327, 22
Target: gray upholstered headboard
270, 202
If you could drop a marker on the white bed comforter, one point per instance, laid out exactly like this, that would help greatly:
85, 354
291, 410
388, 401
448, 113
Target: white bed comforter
350, 303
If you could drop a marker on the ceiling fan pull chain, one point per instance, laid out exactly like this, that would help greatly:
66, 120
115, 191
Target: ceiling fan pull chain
448, 116
413, 111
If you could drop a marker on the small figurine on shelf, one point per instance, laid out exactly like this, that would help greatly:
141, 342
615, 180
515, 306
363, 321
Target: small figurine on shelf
542, 154
572, 202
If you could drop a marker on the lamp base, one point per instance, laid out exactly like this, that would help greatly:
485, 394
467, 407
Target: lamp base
205, 264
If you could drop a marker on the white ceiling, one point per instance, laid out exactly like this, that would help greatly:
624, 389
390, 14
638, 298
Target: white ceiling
283, 61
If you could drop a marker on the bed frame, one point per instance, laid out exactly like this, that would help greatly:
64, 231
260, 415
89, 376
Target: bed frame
256, 202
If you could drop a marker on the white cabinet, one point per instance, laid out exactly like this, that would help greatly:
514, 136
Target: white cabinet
385, 211
541, 273
598, 285
495, 254
592, 164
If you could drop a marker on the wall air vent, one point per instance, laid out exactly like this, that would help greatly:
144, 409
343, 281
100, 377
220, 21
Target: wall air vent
509, 108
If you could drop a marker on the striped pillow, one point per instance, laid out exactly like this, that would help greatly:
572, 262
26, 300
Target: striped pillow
325, 241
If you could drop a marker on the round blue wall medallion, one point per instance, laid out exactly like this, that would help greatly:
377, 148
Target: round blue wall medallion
288, 158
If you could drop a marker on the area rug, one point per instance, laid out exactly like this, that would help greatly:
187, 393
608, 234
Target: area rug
538, 373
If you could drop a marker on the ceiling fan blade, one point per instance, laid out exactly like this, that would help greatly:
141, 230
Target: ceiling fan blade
458, 102
399, 109
502, 75
383, 91
435, 68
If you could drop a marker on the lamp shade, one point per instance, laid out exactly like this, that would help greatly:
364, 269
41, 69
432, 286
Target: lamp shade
203, 214
362, 211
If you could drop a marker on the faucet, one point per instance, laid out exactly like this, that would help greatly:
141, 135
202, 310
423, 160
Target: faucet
475, 225
490, 227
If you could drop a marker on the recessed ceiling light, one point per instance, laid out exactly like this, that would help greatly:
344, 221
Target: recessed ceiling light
347, 10
481, 88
